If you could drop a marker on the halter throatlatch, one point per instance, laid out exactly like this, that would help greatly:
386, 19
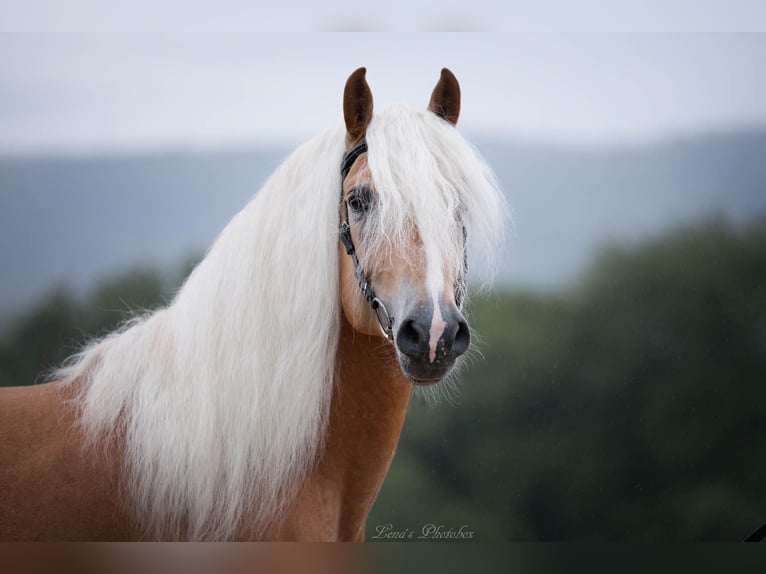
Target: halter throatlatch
385, 321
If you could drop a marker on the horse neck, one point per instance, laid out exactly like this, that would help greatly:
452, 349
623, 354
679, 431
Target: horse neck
367, 412
369, 400
369, 404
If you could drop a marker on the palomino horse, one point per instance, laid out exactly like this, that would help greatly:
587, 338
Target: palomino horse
266, 401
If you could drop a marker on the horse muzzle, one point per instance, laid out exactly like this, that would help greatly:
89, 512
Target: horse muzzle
427, 346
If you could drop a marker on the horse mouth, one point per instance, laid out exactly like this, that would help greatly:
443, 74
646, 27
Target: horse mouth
425, 382
423, 374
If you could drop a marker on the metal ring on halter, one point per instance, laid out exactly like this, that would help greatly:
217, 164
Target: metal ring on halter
386, 323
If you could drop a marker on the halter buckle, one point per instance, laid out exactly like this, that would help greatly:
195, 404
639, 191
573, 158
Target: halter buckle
385, 322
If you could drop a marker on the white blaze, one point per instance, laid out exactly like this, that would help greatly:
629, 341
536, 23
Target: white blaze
435, 283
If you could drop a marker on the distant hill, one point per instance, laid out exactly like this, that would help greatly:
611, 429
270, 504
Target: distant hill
569, 201
71, 221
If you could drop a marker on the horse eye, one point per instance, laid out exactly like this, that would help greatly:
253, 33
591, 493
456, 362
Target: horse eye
355, 204
359, 202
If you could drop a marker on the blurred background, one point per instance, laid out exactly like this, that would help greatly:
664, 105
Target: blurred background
619, 394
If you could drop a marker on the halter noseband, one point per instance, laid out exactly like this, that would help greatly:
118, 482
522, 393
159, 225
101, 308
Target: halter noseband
385, 321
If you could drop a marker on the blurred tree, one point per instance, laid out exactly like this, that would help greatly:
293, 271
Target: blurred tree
42, 339
35, 342
629, 407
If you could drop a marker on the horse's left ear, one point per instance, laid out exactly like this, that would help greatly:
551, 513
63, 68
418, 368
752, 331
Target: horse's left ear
445, 99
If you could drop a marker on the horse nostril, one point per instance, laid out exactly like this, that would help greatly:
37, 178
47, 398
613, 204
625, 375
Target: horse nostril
413, 338
409, 337
462, 338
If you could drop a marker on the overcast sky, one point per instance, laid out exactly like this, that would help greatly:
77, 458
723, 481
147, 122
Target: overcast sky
82, 93
392, 15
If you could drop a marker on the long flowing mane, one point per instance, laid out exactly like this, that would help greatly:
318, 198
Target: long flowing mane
222, 397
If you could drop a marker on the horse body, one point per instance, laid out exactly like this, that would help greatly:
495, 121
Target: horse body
266, 401
50, 489
54, 490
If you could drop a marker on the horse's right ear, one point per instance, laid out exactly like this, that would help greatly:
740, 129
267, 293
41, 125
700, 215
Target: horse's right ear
357, 105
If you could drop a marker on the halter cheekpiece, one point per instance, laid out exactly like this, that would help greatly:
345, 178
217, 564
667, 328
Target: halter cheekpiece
385, 321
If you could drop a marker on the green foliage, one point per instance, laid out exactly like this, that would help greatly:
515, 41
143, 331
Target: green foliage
42, 339
629, 407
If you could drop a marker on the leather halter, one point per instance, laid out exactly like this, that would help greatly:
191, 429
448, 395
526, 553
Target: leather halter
385, 321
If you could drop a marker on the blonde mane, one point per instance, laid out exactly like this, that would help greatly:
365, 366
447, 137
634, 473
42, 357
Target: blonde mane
222, 397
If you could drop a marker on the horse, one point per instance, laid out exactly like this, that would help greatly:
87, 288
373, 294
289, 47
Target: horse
266, 400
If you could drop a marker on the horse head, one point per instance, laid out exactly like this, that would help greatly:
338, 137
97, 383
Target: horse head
403, 262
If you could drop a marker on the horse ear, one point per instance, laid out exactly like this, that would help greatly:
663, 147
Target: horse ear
445, 99
357, 105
